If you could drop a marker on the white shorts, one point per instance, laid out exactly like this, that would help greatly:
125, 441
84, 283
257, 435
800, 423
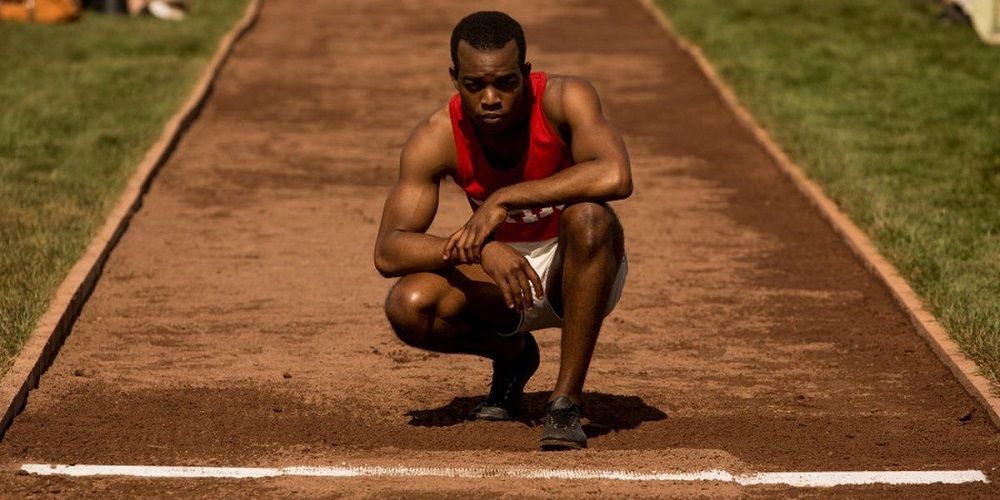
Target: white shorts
541, 254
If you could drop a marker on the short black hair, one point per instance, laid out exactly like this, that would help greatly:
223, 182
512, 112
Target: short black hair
487, 30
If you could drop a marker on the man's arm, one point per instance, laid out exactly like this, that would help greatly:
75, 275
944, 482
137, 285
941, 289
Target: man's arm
602, 172
401, 246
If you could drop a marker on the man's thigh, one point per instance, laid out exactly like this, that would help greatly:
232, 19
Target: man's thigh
553, 285
468, 293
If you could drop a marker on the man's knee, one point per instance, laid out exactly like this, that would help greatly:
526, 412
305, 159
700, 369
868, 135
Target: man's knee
411, 308
590, 227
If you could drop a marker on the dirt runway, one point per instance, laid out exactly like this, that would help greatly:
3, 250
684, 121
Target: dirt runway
239, 322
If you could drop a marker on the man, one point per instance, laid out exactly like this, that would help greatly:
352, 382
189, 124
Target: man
538, 161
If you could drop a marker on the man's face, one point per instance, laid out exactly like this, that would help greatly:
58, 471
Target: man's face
491, 85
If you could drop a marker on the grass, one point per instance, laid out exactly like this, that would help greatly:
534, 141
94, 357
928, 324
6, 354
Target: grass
79, 105
897, 115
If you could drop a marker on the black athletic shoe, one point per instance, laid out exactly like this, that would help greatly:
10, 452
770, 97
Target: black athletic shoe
507, 388
562, 426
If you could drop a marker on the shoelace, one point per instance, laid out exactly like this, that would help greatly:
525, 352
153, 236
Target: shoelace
564, 418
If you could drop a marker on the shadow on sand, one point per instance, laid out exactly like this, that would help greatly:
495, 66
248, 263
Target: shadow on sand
602, 413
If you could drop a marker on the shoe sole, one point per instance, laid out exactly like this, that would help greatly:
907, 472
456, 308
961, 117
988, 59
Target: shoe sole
553, 444
500, 415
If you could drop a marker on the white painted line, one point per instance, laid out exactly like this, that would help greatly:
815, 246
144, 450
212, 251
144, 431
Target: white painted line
151, 471
798, 479
865, 477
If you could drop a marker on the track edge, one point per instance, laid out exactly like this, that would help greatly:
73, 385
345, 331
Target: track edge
927, 326
51, 330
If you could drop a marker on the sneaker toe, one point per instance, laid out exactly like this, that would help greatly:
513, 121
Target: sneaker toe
485, 412
562, 443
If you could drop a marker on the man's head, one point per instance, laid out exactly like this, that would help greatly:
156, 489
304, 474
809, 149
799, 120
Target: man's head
489, 69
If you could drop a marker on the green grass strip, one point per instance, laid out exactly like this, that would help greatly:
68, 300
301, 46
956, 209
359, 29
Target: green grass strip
79, 105
897, 114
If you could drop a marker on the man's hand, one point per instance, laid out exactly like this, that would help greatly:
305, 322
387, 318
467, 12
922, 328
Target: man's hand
512, 273
465, 246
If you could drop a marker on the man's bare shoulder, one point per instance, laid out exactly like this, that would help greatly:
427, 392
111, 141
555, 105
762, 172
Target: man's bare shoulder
431, 145
562, 91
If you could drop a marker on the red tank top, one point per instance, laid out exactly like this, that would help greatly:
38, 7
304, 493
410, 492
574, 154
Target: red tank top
546, 154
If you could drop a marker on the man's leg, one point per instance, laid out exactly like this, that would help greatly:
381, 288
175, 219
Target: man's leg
453, 311
591, 248
459, 311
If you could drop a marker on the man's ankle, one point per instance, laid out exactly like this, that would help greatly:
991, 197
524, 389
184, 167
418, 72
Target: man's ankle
577, 399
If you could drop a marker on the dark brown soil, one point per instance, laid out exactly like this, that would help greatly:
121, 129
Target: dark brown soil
748, 337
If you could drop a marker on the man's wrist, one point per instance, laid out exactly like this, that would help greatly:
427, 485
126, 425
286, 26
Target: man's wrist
489, 244
500, 198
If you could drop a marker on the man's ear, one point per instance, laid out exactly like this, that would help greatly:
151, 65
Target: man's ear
453, 73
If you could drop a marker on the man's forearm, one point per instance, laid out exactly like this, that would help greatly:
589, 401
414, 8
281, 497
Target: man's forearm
405, 252
587, 181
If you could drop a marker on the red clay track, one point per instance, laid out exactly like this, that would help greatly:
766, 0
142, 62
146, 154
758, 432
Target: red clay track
239, 320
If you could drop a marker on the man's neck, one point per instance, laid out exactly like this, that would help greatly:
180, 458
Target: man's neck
506, 149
